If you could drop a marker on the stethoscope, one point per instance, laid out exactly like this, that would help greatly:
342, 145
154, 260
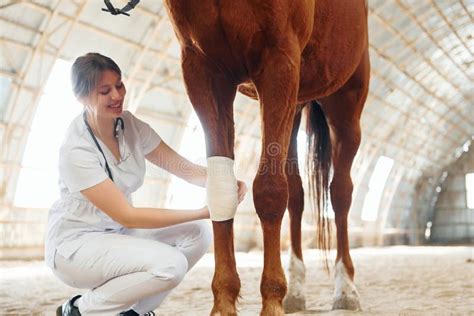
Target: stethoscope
118, 123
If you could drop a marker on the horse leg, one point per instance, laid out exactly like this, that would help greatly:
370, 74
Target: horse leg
277, 85
294, 300
347, 143
343, 110
212, 95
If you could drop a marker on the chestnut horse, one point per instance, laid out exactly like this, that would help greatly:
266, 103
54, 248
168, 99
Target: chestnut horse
287, 54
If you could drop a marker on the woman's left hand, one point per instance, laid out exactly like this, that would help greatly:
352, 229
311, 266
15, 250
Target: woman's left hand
241, 190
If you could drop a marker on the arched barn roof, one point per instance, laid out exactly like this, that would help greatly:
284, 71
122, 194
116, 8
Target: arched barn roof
420, 110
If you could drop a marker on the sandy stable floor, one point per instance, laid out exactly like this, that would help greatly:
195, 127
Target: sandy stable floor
391, 281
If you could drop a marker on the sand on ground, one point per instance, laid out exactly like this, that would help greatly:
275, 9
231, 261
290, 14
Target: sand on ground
396, 280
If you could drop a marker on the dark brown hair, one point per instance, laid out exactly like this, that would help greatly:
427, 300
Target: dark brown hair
86, 71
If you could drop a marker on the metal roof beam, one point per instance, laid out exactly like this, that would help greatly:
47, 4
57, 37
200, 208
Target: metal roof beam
453, 29
410, 14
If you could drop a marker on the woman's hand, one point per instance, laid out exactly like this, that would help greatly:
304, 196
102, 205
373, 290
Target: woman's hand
241, 190
204, 212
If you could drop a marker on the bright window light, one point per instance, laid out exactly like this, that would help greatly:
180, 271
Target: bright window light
428, 230
38, 181
470, 190
181, 194
376, 186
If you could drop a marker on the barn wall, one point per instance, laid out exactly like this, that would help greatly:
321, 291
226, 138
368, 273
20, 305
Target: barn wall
453, 221
22, 232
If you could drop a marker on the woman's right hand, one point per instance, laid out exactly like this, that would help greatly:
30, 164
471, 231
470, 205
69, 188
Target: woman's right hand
241, 190
204, 212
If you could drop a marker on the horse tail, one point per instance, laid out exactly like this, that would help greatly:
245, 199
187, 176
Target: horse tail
318, 165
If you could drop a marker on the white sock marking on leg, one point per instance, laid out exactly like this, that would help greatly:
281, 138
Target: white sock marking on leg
344, 284
296, 275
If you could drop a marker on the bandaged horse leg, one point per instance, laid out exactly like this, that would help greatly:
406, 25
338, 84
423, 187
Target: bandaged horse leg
295, 300
221, 188
277, 91
346, 135
212, 94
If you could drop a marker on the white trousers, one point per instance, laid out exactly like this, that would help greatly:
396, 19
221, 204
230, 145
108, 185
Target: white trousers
135, 269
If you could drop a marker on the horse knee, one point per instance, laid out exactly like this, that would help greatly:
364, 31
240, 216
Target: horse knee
273, 287
341, 187
226, 282
348, 140
341, 192
270, 193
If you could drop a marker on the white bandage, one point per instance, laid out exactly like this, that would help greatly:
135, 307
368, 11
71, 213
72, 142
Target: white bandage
221, 188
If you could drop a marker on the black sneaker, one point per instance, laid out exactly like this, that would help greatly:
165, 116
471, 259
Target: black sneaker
131, 312
68, 308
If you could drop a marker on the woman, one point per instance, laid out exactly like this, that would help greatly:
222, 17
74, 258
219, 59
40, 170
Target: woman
92, 241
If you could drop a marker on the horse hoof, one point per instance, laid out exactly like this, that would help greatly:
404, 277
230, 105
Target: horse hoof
347, 302
293, 304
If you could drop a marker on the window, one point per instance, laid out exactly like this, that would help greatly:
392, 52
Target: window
181, 194
376, 186
470, 190
38, 181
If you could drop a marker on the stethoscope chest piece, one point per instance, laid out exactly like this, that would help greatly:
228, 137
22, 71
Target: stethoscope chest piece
118, 124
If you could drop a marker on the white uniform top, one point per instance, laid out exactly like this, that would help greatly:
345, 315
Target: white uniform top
73, 219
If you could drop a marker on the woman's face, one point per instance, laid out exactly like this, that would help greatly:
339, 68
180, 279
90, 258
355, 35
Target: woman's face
106, 101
